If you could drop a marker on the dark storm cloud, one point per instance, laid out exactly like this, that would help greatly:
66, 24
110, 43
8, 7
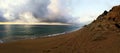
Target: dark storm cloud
2, 19
38, 7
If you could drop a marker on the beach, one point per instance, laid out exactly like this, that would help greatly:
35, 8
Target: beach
79, 41
100, 36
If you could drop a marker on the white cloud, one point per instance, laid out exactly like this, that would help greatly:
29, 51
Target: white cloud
35, 10
27, 17
54, 6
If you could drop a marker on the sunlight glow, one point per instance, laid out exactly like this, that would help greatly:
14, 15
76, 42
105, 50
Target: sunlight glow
22, 23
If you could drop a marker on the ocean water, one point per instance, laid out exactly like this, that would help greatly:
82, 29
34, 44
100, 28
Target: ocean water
19, 32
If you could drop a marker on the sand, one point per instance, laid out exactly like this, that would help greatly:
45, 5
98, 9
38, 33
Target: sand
80, 41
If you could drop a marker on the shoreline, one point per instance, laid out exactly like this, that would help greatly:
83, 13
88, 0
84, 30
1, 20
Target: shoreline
15, 39
41, 44
35, 37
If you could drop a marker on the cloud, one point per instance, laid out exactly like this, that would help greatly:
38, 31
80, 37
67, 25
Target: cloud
63, 11
59, 12
54, 6
27, 17
35, 11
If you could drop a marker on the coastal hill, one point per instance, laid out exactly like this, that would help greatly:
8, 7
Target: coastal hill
100, 36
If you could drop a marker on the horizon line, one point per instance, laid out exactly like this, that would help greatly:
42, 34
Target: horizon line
31, 23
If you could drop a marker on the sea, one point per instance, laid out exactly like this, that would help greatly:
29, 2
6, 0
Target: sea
10, 33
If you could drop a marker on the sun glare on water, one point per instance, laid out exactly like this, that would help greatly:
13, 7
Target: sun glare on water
44, 23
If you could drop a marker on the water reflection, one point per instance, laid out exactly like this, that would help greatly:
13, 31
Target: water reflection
7, 32
17, 32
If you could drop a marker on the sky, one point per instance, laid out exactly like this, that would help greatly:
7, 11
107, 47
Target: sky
89, 10
53, 11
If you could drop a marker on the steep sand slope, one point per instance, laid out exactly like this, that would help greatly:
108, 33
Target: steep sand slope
101, 36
